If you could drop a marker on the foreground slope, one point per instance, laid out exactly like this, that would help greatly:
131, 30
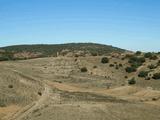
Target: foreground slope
57, 88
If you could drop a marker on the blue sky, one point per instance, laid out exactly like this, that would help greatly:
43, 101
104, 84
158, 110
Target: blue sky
129, 24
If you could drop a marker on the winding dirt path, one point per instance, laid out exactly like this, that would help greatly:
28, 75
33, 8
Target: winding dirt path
31, 107
34, 105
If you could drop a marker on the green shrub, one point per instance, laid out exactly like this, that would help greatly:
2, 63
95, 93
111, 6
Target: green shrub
6, 56
156, 76
151, 56
132, 81
143, 74
141, 59
130, 69
104, 60
136, 65
135, 59
154, 57
2, 104
3, 59
84, 69
148, 55
138, 53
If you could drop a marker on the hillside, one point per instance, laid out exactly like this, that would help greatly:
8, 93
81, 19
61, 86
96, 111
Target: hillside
33, 51
86, 88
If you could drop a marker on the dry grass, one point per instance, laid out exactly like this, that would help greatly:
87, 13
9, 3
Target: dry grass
101, 93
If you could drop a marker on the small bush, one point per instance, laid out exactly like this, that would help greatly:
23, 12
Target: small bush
130, 69
10, 86
120, 65
2, 104
136, 65
151, 56
59, 81
94, 66
132, 81
138, 53
3, 59
76, 60
126, 77
117, 67
154, 57
84, 69
76, 55
137, 60
156, 76
154, 99
141, 59
7, 56
123, 58
129, 55
150, 75
39, 93
94, 54
148, 55
111, 65
104, 60
143, 74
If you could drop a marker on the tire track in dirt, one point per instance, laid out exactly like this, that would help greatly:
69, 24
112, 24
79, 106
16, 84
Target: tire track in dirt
34, 105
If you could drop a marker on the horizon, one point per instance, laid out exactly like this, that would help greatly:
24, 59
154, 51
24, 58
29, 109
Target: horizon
133, 25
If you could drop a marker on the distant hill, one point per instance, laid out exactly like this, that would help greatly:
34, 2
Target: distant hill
44, 50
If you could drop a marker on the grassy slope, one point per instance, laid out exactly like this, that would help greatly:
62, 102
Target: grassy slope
72, 95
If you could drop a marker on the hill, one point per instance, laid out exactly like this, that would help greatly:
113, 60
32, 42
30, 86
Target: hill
60, 88
44, 50
98, 84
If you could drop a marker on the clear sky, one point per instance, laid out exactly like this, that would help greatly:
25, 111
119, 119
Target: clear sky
130, 24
